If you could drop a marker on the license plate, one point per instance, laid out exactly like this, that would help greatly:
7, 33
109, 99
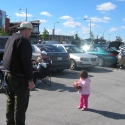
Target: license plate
93, 63
59, 58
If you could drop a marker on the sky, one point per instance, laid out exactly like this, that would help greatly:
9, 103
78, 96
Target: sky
69, 17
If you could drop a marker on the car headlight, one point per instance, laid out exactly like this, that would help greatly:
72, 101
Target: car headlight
83, 59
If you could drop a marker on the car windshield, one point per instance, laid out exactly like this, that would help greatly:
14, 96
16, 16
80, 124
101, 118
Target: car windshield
35, 49
74, 49
50, 49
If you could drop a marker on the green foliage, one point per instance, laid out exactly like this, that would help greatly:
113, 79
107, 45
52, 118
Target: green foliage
45, 35
76, 38
118, 38
3, 33
91, 35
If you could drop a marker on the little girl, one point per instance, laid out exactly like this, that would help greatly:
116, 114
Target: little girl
84, 92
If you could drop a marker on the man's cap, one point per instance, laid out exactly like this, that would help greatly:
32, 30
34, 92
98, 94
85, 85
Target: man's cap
25, 25
44, 52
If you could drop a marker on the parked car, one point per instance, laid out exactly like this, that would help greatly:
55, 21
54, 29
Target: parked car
3, 40
35, 52
50, 42
78, 57
106, 55
60, 60
115, 45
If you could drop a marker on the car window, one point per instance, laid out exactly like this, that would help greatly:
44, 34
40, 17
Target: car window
53, 49
74, 49
93, 49
61, 48
50, 49
36, 49
45, 49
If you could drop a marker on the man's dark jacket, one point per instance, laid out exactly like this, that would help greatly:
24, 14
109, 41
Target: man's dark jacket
17, 56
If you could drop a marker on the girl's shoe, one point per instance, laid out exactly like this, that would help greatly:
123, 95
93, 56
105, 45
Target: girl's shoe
84, 109
79, 107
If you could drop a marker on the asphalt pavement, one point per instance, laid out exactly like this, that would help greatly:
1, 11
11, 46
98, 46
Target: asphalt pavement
57, 105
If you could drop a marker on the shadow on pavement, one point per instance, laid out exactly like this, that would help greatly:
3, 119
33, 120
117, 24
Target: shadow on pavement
56, 86
97, 70
67, 74
108, 114
3, 91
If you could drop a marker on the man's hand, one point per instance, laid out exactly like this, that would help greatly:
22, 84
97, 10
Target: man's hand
31, 85
38, 59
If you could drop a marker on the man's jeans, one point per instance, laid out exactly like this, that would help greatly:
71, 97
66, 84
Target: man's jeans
17, 99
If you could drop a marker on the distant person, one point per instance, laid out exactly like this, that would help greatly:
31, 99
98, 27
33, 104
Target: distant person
18, 75
84, 92
39, 42
42, 69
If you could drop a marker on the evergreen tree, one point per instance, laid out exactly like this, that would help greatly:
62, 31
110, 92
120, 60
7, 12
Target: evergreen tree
45, 35
118, 38
77, 38
92, 35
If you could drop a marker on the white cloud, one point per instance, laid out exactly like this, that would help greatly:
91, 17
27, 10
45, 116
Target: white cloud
85, 17
120, 0
113, 29
67, 18
71, 24
43, 21
46, 14
23, 14
85, 30
122, 27
94, 25
106, 7
123, 19
105, 19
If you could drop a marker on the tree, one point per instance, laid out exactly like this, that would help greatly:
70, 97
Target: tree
76, 38
45, 35
118, 38
91, 35
3, 33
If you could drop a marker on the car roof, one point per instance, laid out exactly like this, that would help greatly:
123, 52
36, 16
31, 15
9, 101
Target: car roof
65, 44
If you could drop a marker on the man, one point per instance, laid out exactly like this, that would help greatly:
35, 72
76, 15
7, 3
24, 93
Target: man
39, 42
18, 75
42, 69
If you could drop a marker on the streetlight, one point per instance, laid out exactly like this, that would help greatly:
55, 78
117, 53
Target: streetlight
109, 37
90, 26
26, 13
54, 28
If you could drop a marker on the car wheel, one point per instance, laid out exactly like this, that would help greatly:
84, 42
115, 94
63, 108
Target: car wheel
101, 61
73, 64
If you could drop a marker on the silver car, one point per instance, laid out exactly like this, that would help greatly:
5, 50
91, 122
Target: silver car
78, 57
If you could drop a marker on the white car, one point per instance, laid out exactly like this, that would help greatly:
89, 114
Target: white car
78, 57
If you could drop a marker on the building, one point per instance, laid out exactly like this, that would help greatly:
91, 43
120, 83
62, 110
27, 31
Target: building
61, 38
2, 18
35, 32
